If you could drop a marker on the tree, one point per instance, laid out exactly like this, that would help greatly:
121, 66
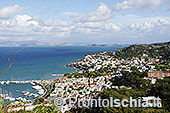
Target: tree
10, 62
162, 89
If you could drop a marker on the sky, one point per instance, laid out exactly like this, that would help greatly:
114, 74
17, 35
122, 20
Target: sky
85, 21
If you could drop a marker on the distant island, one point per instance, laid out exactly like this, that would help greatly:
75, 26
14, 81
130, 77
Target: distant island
35, 43
116, 44
31, 43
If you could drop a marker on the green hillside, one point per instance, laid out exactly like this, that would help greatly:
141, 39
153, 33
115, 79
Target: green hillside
157, 50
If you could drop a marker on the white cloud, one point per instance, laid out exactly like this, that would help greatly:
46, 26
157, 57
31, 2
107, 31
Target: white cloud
23, 20
104, 25
24, 27
36, 17
101, 14
146, 29
50, 22
74, 15
163, 22
138, 4
7, 12
130, 18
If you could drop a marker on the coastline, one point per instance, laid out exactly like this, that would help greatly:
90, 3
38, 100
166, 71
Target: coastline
28, 64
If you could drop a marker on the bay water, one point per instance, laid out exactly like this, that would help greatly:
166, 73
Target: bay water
38, 63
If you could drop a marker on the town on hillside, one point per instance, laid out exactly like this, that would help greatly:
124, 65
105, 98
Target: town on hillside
134, 71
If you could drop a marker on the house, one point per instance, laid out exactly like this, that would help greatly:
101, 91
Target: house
155, 74
158, 74
166, 73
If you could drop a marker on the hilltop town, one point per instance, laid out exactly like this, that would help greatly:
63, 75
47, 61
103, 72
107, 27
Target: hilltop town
143, 57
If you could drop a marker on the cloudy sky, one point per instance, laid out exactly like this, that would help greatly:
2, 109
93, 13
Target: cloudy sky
85, 21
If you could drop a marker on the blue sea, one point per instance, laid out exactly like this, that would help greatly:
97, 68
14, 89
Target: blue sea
36, 63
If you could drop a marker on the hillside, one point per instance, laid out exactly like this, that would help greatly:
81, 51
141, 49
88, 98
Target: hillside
144, 57
157, 50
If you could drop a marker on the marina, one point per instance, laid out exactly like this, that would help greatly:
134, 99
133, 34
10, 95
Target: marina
23, 91
57, 74
20, 82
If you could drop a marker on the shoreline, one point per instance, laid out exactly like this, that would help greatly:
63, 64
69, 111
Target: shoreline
29, 81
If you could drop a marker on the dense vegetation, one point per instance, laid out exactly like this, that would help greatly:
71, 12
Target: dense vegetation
158, 50
161, 89
134, 78
39, 109
119, 94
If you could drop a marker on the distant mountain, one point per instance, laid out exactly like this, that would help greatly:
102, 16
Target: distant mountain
16, 43
31, 43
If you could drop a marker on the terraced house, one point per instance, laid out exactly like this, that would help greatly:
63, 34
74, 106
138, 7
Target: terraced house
158, 74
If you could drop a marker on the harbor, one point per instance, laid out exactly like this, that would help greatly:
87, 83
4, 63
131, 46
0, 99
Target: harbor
23, 82
23, 91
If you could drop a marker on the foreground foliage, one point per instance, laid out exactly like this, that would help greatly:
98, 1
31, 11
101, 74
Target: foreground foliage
162, 89
39, 109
